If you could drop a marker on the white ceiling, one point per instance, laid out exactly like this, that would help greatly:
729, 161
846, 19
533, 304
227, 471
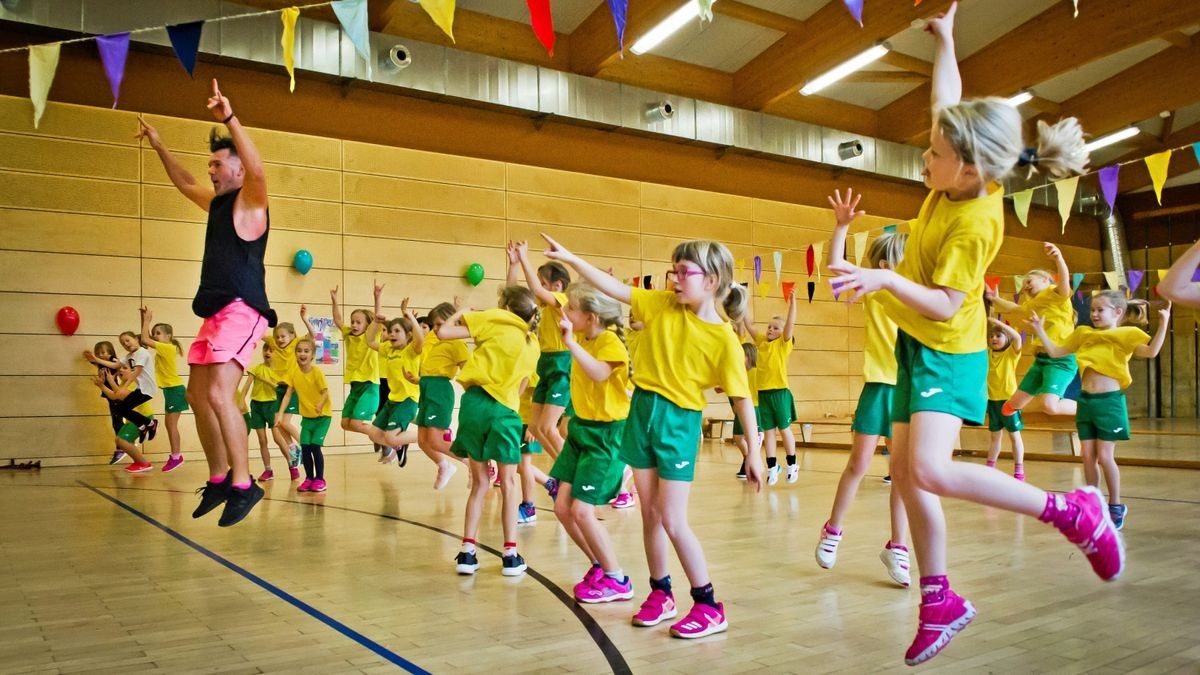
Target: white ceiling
567, 14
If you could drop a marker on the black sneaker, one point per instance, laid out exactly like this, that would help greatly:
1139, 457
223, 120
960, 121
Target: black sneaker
239, 503
116, 457
402, 455
212, 495
467, 563
741, 474
514, 565
151, 430
887, 479
378, 448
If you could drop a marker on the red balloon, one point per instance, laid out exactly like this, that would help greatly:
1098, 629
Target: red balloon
67, 320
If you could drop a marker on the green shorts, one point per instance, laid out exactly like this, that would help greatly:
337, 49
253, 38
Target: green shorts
436, 407
487, 429
262, 414
175, 399
589, 462
554, 379
737, 422
1102, 416
396, 414
931, 381
1049, 375
246, 417
129, 433
293, 407
363, 401
873, 416
313, 430
777, 407
530, 447
660, 435
997, 420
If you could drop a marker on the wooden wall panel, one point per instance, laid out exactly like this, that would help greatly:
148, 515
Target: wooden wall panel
47, 231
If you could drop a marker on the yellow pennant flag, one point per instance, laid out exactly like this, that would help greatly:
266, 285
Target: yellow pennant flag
43, 61
819, 257
1066, 198
1161, 274
1021, 202
763, 287
1158, 171
1019, 282
288, 42
1113, 279
860, 247
442, 13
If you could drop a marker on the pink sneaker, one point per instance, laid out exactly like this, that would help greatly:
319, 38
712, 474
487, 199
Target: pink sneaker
1019, 476
294, 472
319, 485
1093, 532
657, 608
172, 464
305, 486
606, 589
139, 467
590, 577
623, 501
938, 623
266, 475
703, 620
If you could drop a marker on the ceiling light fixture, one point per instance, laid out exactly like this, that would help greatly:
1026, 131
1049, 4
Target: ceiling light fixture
1020, 98
1115, 137
667, 27
825, 79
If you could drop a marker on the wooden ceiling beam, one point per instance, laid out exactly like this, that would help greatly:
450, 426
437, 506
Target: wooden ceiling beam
830, 37
1047, 45
886, 77
672, 76
594, 41
910, 63
759, 17
1178, 38
826, 112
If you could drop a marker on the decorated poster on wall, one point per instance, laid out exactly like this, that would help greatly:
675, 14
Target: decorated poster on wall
328, 339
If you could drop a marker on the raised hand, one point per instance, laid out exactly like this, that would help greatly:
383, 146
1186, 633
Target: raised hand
378, 289
147, 132
942, 25
510, 250
1164, 314
844, 210
567, 329
380, 319
861, 280
412, 378
458, 302
556, 251
522, 249
89, 356
304, 312
218, 104
333, 293
1052, 251
1035, 322
404, 306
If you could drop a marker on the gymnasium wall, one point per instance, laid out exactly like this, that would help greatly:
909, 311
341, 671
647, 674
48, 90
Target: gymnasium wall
90, 220
1153, 385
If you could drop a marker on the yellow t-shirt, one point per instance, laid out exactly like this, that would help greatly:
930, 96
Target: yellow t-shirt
680, 355
772, 362
951, 244
549, 334
309, 387
261, 390
1055, 309
166, 368
284, 358
605, 401
752, 379
1107, 350
525, 406
879, 348
396, 362
504, 355
362, 362
1002, 373
442, 358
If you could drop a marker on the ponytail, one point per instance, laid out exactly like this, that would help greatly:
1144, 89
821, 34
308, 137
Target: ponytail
735, 302
987, 133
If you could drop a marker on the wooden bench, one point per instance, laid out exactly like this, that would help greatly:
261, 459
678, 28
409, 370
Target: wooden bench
714, 427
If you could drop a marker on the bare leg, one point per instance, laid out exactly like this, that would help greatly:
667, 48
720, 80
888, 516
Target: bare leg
769, 443
479, 490
672, 505
564, 509
208, 427
546, 422
263, 448
173, 433
654, 537
1091, 472
132, 450
596, 536
1053, 405
994, 449
789, 441
861, 451
1019, 399
1106, 457
509, 496
222, 384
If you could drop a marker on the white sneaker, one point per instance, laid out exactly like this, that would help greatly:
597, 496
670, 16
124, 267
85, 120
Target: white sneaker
773, 475
445, 471
895, 559
387, 455
827, 548
793, 473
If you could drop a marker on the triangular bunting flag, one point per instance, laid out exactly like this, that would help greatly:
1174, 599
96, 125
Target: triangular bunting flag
543, 23
1076, 279
706, 9
860, 247
1108, 184
113, 51
637, 282
856, 9
1113, 279
819, 254
442, 13
43, 61
809, 259
788, 288
812, 288
352, 14
1021, 201
618, 9
763, 288
890, 229
777, 258
288, 43
1019, 281
1196, 151
757, 269
992, 282
648, 282
185, 40
1066, 198
1135, 280
1157, 164
1161, 274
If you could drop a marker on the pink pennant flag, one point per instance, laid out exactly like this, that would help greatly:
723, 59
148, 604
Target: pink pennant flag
113, 51
543, 23
1108, 184
856, 10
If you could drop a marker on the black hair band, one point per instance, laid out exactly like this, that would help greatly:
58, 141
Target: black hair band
1029, 157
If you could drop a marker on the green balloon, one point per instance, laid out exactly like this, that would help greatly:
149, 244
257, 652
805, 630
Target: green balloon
474, 274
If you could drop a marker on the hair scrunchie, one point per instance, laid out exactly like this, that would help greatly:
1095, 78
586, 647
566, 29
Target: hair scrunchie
1029, 157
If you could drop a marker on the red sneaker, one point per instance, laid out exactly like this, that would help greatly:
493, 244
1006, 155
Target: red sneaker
939, 622
139, 467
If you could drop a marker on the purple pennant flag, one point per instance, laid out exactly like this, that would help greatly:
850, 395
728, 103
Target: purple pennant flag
618, 9
1108, 184
185, 40
1135, 280
757, 269
1196, 275
113, 50
856, 9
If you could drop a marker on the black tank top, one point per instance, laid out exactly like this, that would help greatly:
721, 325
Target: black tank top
233, 267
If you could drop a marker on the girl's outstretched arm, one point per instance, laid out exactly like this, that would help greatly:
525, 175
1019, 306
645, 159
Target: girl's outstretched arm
947, 82
937, 303
531, 277
1151, 350
606, 283
1038, 324
1014, 338
1064, 274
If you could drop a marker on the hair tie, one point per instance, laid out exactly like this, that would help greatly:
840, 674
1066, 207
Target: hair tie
1029, 157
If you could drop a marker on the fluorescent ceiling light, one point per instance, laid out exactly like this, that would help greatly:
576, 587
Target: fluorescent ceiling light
688, 11
826, 79
1020, 98
1115, 137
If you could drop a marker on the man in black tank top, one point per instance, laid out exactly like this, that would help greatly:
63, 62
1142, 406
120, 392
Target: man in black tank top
232, 300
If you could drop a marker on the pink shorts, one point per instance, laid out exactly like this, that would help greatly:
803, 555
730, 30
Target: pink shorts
231, 334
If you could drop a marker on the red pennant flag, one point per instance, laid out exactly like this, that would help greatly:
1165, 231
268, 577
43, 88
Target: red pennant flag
543, 23
992, 282
637, 282
789, 287
810, 260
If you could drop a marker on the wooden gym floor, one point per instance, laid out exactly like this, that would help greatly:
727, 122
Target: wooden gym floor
104, 572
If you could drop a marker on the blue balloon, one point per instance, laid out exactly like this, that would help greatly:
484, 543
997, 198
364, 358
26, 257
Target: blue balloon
302, 261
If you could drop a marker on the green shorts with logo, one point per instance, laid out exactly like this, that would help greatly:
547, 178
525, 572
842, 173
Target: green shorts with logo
531, 446
262, 414
554, 379
396, 414
436, 407
1049, 375
662, 436
589, 461
931, 381
997, 420
363, 401
873, 416
1102, 416
129, 433
313, 430
487, 429
175, 399
293, 407
738, 430
777, 407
